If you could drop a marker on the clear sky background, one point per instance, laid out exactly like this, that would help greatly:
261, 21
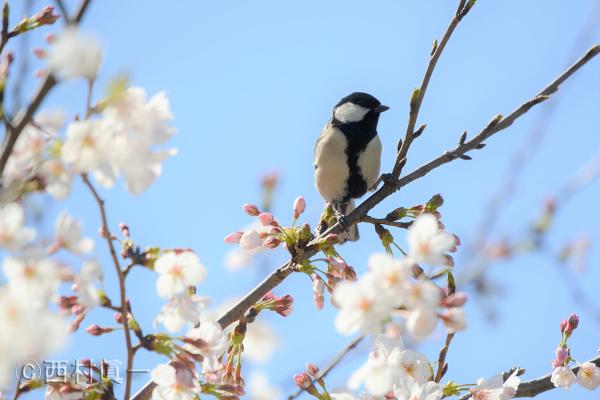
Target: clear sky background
251, 85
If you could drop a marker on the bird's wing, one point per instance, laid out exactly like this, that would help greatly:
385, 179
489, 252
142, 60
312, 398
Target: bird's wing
369, 162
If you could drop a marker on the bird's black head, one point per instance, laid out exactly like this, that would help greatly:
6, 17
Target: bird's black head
358, 108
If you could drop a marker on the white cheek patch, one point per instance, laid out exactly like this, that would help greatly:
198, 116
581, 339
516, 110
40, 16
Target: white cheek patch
350, 112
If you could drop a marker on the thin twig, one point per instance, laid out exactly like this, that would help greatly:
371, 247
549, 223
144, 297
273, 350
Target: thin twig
380, 221
63, 10
442, 358
332, 364
21, 121
120, 275
419, 95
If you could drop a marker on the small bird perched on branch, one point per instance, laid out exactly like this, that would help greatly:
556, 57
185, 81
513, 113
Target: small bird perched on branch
348, 155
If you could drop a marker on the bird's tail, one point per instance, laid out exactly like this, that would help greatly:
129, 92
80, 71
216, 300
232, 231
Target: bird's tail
352, 233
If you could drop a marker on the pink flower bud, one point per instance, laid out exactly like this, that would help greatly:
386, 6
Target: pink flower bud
302, 380
251, 209
457, 299
317, 284
50, 37
124, 229
299, 206
448, 261
573, 321
102, 233
337, 263
561, 356
39, 52
312, 369
250, 240
271, 243
233, 238
77, 309
563, 325
350, 274
74, 325
266, 218
97, 330
118, 317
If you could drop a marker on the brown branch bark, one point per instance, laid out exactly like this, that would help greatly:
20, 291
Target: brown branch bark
415, 104
19, 122
121, 276
380, 221
535, 386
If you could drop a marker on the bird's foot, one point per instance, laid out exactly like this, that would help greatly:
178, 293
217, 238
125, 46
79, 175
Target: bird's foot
341, 219
389, 179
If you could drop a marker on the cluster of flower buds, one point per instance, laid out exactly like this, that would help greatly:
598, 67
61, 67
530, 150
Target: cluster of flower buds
306, 381
588, 375
281, 305
270, 233
45, 17
431, 207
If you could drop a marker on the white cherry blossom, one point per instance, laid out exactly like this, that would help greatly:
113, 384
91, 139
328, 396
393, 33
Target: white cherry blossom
563, 377
68, 235
173, 384
414, 364
57, 178
181, 310
215, 343
588, 376
73, 54
13, 236
495, 388
31, 276
85, 284
427, 242
178, 270
362, 308
259, 387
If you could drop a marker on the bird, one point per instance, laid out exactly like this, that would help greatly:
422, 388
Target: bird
347, 156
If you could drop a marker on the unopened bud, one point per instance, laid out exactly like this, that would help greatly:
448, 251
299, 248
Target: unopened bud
312, 369
97, 330
124, 229
233, 238
456, 300
299, 206
266, 219
304, 382
271, 243
251, 209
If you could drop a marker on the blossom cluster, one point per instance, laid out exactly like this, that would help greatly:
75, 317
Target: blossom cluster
588, 375
117, 137
30, 327
387, 289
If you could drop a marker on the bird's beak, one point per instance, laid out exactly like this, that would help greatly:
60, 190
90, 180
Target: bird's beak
380, 109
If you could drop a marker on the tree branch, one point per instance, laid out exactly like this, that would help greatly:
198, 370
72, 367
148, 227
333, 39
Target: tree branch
419, 94
380, 221
121, 276
19, 122
535, 386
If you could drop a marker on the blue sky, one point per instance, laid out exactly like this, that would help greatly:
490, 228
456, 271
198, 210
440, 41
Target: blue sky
251, 84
